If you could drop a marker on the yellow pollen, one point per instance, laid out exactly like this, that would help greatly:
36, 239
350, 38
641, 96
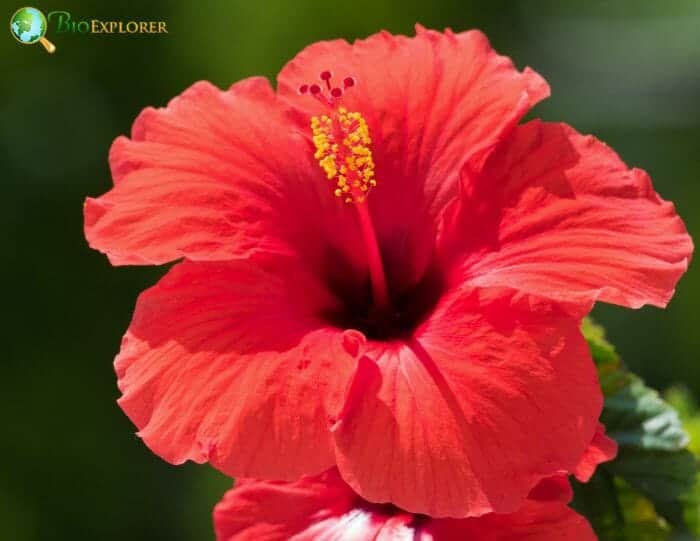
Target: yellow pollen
343, 151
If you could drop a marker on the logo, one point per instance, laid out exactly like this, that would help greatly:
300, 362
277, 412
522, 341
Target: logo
28, 26
65, 23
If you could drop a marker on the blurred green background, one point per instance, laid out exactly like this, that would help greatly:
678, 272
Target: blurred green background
71, 467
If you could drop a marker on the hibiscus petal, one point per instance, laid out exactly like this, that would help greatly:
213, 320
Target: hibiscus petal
430, 102
216, 175
494, 393
324, 507
559, 215
229, 363
534, 520
268, 510
602, 449
556, 488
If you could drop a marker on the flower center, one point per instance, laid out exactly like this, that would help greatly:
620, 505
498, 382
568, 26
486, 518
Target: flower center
343, 151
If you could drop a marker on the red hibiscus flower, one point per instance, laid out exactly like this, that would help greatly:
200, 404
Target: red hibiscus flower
415, 323
325, 507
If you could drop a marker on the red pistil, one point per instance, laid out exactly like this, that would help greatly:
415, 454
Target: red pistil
380, 292
332, 94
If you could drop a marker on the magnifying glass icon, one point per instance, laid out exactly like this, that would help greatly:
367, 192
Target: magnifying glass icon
28, 26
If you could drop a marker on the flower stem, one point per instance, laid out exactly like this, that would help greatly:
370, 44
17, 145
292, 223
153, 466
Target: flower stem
380, 293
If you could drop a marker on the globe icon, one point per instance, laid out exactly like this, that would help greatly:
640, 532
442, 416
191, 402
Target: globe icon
28, 26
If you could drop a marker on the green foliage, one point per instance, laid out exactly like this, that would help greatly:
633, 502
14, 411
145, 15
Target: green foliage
682, 401
639, 418
650, 492
618, 512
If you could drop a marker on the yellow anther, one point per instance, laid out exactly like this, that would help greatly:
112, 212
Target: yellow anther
342, 147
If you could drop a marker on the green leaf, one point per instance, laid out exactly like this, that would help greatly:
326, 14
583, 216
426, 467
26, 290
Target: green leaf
636, 416
610, 371
603, 352
653, 483
617, 512
683, 402
664, 477
691, 508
